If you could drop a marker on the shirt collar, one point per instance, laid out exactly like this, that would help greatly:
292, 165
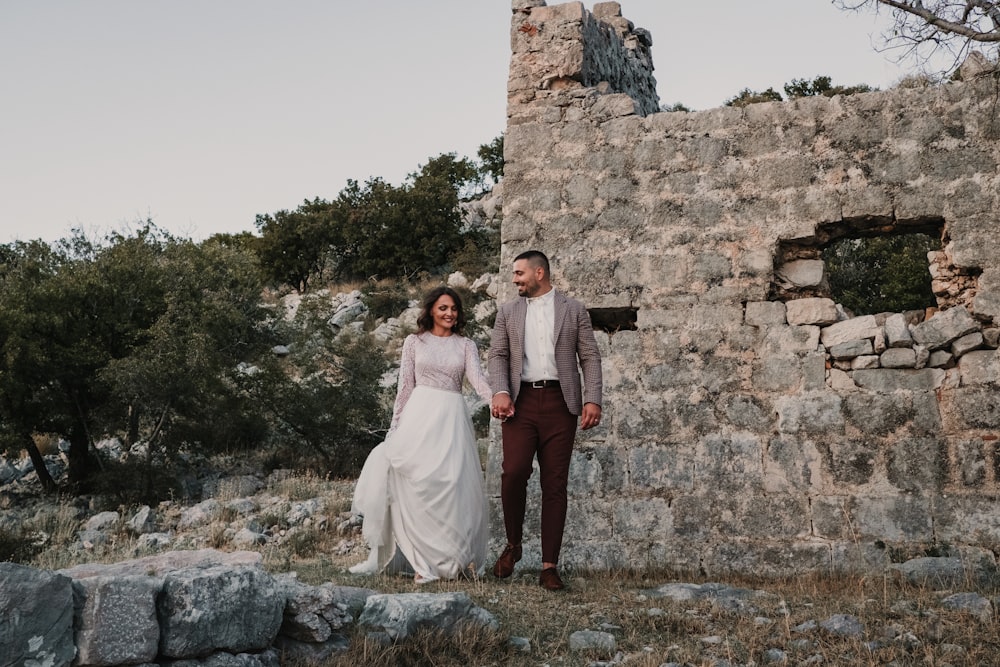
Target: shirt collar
545, 299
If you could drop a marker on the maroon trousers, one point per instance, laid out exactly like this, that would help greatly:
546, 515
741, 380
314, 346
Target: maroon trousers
542, 425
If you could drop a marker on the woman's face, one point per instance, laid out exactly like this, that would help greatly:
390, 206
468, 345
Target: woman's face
445, 314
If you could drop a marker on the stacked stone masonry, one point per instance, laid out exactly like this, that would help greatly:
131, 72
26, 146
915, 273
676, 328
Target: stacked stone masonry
751, 424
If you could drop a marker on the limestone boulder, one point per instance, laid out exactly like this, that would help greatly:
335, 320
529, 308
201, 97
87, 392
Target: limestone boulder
218, 608
815, 310
946, 326
399, 615
36, 617
116, 620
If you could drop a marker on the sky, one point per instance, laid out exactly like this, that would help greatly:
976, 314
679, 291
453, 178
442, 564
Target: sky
201, 114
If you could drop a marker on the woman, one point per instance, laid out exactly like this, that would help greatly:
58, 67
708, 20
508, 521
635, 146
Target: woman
421, 491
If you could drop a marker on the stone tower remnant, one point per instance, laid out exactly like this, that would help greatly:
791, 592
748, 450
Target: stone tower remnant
751, 425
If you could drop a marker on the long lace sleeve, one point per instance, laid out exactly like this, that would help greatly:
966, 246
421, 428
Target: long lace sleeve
474, 371
407, 380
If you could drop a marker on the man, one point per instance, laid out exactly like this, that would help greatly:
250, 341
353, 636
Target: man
540, 341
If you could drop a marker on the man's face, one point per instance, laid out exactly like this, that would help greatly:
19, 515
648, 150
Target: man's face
526, 278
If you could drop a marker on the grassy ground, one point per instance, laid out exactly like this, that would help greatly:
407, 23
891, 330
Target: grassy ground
902, 625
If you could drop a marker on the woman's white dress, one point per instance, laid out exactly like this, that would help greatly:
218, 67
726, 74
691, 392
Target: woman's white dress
421, 491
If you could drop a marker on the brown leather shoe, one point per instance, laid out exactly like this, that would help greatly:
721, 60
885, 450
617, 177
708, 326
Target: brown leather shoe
549, 580
504, 567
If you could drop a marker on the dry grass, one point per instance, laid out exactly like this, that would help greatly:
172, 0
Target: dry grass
902, 625
909, 626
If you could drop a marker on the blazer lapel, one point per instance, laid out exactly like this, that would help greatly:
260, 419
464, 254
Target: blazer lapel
560, 315
520, 313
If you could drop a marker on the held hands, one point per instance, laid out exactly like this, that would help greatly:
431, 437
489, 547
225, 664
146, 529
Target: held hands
591, 416
502, 407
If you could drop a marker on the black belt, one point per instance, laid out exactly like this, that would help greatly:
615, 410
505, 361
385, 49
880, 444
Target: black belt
541, 384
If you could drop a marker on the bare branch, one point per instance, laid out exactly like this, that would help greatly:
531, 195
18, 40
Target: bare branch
937, 34
963, 27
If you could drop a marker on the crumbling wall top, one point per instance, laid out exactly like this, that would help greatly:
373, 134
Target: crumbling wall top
561, 50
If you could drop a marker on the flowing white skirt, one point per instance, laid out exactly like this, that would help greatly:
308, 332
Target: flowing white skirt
421, 492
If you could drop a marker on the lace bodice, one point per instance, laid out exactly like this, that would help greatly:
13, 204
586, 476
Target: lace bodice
441, 362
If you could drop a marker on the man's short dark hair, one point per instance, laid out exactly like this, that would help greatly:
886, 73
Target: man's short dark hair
535, 258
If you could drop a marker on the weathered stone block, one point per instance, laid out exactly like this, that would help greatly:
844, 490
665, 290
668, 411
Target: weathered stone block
116, 620
944, 327
792, 465
595, 469
918, 465
590, 519
972, 407
813, 414
903, 518
856, 328
401, 614
969, 456
967, 343
980, 367
785, 340
897, 331
968, 519
36, 608
750, 515
766, 559
218, 608
940, 359
747, 412
693, 516
811, 311
864, 362
848, 461
642, 519
888, 380
800, 273
730, 462
663, 467
898, 357
851, 349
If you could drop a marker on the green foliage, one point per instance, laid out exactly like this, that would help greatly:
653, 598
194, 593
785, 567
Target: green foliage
376, 230
294, 245
137, 336
324, 399
479, 254
747, 96
491, 159
822, 85
676, 106
882, 273
18, 545
387, 298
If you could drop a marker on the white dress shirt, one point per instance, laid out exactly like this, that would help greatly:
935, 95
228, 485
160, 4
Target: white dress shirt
539, 339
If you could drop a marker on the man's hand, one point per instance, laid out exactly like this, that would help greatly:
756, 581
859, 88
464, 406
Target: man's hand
591, 416
502, 406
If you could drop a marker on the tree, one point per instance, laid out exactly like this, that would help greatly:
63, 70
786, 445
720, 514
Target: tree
491, 159
130, 336
821, 85
924, 29
747, 96
881, 274
294, 245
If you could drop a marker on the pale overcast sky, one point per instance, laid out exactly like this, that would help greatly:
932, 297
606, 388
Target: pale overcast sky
202, 114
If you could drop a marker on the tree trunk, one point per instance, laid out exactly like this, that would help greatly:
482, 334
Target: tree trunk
79, 455
132, 436
38, 463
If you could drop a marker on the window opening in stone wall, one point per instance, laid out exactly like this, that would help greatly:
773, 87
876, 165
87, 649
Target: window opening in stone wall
879, 274
611, 320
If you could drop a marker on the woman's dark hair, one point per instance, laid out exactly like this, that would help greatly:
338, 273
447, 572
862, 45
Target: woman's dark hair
426, 320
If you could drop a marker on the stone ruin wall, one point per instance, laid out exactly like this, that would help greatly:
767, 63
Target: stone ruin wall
749, 427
